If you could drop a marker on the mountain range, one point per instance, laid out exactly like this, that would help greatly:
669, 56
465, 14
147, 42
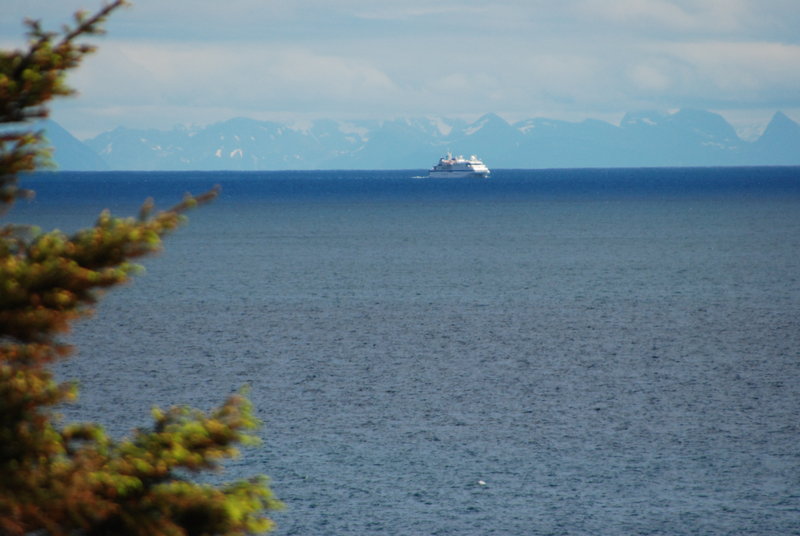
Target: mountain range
642, 139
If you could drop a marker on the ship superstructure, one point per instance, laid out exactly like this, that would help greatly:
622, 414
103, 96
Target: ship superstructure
458, 167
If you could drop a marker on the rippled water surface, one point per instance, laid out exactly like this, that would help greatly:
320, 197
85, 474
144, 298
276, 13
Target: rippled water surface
618, 354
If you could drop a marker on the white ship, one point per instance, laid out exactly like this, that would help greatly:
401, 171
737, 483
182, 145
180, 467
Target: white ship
458, 167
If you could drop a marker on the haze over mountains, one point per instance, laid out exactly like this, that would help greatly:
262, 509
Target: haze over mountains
643, 139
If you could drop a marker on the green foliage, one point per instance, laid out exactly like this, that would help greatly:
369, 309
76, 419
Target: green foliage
74, 479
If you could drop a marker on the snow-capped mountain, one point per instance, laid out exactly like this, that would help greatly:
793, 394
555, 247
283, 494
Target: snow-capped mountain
683, 138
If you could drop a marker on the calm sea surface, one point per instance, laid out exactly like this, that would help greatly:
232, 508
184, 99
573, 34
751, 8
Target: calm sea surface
594, 352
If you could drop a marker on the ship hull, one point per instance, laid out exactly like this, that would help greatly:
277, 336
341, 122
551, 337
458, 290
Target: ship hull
458, 174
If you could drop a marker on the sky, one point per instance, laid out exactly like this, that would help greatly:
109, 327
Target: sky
165, 63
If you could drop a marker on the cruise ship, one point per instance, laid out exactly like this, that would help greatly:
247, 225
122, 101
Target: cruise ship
458, 167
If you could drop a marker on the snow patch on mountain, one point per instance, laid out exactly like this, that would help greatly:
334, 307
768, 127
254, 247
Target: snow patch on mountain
679, 138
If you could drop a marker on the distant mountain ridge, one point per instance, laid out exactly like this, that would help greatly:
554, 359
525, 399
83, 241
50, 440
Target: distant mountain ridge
643, 139
68, 151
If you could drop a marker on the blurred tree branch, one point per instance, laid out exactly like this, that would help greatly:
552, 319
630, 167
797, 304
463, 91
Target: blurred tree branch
74, 479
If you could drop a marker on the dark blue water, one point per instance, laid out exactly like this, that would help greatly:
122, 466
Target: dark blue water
114, 188
546, 352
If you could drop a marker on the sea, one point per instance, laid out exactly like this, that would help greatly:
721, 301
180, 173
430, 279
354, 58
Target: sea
546, 352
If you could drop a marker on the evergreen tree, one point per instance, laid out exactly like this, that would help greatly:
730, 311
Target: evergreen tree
75, 479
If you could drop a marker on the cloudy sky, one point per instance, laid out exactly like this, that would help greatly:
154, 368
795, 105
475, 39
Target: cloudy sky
170, 62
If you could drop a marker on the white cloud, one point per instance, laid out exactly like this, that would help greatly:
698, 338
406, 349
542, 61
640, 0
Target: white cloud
231, 72
195, 61
745, 72
649, 77
323, 76
143, 78
707, 16
439, 12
